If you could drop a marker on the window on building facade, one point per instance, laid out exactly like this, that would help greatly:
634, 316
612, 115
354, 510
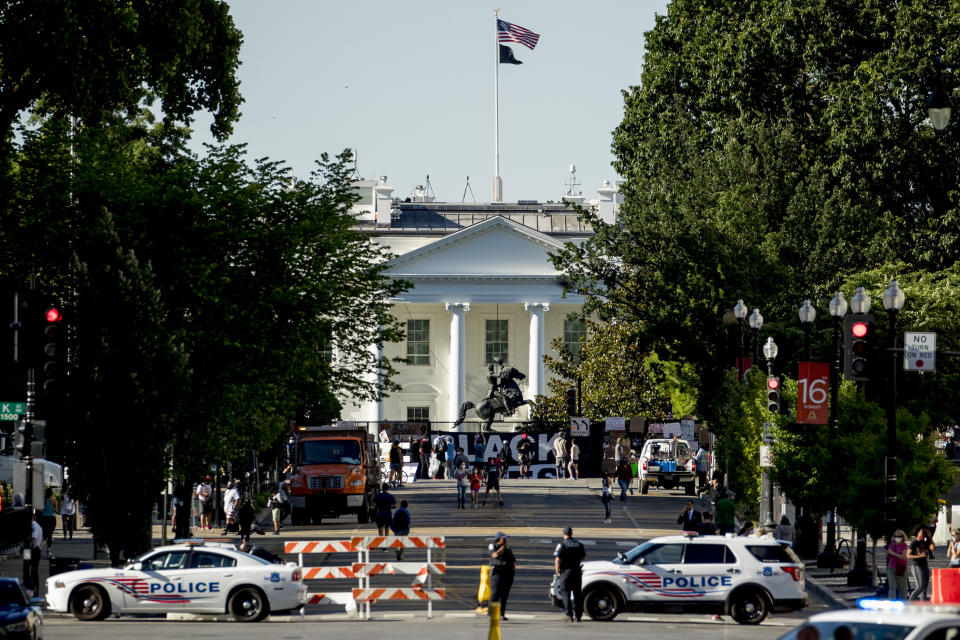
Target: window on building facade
574, 334
495, 341
326, 350
418, 342
418, 414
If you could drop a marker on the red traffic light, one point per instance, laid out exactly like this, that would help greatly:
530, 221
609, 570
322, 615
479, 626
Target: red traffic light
53, 315
773, 383
859, 329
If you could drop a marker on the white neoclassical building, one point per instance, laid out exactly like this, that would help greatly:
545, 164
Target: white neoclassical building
484, 289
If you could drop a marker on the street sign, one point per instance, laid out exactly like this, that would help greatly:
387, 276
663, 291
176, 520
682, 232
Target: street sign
766, 456
768, 433
12, 410
579, 427
813, 384
616, 423
919, 351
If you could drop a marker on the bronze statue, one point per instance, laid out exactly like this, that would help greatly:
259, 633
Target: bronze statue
503, 396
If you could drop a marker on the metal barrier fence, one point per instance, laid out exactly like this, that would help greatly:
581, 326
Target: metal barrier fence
363, 569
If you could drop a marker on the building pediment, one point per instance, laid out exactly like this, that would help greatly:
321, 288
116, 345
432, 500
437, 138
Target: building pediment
495, 248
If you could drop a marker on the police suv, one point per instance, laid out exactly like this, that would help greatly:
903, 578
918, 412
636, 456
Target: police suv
193, 577
743, 577
884, 620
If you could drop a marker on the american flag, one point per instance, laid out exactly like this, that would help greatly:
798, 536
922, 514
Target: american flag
514, 33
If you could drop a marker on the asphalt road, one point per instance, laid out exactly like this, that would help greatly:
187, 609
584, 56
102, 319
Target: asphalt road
533, 515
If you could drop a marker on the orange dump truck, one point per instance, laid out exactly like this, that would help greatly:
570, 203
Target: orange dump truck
335, 473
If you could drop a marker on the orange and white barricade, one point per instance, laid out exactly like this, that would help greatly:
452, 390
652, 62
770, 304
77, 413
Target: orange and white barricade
421, 588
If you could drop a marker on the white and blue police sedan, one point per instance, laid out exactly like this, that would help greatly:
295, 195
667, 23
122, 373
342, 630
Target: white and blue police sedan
193, 577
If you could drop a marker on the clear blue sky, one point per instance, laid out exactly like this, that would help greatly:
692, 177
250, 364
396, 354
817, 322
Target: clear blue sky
409, 86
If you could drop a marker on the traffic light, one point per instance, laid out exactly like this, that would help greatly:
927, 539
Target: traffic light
51, 351
571, 401
22, 437
773, 394
28, 329
858, 341
38, 441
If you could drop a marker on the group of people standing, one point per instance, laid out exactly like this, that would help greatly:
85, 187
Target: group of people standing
915, 554
566, 451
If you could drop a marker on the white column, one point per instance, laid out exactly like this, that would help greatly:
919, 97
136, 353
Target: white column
535, 378
456, 386
374, 410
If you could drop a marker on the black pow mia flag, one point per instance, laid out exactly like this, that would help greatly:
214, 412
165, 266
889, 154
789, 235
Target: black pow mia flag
506, 55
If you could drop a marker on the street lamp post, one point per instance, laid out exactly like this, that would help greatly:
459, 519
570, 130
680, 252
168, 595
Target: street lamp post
807, 315
838, 309
893, 299
766, 482
740, 312
756, 321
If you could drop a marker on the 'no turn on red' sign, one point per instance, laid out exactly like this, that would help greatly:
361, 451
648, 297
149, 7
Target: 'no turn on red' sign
919, 351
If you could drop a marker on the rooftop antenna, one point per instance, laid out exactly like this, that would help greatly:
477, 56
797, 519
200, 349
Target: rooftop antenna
470, 189
573, 184
428, 189
356, 167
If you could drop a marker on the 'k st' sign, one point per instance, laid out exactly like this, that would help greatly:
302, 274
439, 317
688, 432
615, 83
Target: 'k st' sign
813, 385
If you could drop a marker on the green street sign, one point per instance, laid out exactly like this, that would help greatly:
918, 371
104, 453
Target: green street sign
12, 410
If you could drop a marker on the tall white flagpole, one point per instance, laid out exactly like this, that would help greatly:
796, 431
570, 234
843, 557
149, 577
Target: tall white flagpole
497, 184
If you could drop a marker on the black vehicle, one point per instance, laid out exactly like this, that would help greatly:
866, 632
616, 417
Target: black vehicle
20, 616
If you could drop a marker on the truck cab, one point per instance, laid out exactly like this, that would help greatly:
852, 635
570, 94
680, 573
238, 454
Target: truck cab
335, 473
667, 463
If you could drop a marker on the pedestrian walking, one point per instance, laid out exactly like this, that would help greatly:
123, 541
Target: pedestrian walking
560, 455
231, 499
493, 479
573, 467
953, 549
204, 495
920, 550
689, 519
785, 531
396, 464
385, 504
726, 513
451, 453
440, 453
68, 513
476, 476
525, 450
624, 476
462, 476
400, 525
702, 462
48, 521
897, 566
246, 514
707, 526
424, 471
566, 562
33, 564
606, 497
503, 567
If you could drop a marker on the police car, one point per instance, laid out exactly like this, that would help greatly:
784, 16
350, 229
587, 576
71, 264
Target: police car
883, 620
743, 577
193, 577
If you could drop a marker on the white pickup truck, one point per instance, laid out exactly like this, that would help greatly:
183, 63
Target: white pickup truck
661, 466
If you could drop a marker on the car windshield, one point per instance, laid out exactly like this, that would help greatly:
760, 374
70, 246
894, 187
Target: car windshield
633, 554
330, 452
858, 630
11, 595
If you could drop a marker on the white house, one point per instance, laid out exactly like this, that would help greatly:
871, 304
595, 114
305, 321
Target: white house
483, 288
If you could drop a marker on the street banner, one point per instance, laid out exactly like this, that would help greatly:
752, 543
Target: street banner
616, 423
813, 386
766, 456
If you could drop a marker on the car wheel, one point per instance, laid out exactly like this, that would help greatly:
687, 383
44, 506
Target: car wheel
691, 488
748, 606
89, 603
248, 605
363, 516
602, 603
644, 487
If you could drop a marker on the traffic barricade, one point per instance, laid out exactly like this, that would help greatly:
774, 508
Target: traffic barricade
420, 590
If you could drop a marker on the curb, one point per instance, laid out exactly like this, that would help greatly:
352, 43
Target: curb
824, 593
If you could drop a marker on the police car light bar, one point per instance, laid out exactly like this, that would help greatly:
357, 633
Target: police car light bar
199, 542
874, 604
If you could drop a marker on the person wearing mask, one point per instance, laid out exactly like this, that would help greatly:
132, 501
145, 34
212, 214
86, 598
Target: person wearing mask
919, 551
503, 567
953, 549
566, 562
462, 477
897, 566
726, 513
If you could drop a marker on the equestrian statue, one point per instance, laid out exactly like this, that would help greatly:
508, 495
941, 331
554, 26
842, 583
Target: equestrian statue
503, 396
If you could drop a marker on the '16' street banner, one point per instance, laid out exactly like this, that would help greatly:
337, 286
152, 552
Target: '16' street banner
813, 385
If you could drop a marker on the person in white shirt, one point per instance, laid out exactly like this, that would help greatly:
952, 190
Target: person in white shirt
68, 514
231, 499
204, 494
36, 539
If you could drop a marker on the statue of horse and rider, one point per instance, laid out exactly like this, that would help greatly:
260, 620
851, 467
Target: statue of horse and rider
503, 396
